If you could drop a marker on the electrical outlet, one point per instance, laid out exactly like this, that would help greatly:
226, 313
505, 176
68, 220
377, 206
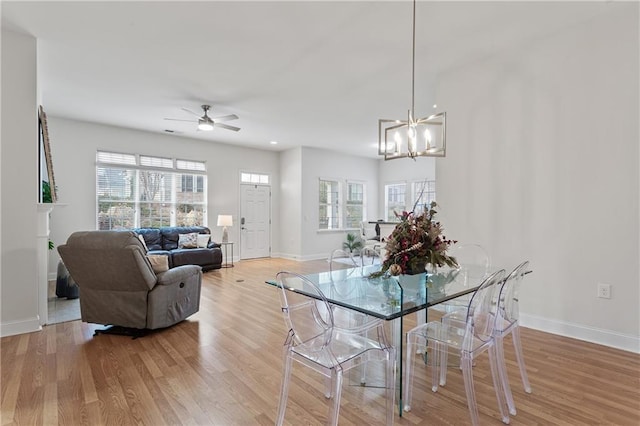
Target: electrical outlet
604, 291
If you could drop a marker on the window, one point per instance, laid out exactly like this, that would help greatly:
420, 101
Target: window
394, 200
355, 204
329, 204
254, 178
424, 192
190, 199
154, 198
144, 191
191, 183
333, 194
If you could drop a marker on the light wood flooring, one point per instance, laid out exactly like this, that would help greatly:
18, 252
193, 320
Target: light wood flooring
222, 367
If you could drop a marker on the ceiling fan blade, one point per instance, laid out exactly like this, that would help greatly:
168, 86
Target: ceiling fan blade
179, 119
226, 126
225, 118
191, 112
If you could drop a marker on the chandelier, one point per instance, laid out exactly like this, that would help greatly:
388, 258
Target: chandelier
413, 137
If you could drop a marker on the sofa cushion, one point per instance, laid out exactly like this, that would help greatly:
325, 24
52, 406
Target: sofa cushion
197, 256
152, 237
188, 240
171, 235
159, 262
203, 240
144, 243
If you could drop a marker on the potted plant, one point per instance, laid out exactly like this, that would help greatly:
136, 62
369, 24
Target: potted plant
353, 243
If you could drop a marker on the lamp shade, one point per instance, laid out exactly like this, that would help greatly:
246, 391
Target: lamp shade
225, 220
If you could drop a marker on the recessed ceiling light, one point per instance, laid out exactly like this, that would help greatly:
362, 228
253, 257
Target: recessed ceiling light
435, 105
274, 142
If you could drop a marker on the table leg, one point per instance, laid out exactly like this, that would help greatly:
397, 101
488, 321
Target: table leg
396, 338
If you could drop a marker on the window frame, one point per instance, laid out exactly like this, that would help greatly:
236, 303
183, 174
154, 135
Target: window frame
170, 172
342, 204
255, 178
429, 193
362, 205
330, 206
388, 206
410, 199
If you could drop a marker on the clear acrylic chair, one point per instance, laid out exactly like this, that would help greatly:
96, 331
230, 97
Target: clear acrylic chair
339, 258
347, 317
315, 341
474, 263
372, 252
468, 339
506, 323
473, 260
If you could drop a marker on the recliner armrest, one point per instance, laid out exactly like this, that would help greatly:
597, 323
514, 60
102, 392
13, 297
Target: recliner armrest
178, 274
214, 245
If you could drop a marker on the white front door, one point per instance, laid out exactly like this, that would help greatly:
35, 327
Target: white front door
255, 221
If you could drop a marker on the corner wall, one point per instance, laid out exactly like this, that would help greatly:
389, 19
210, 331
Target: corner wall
317, 163
19, 170
291, 211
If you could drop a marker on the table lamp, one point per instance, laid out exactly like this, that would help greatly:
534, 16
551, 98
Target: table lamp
225, 220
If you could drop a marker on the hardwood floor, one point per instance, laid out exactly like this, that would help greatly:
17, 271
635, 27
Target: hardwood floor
223, 365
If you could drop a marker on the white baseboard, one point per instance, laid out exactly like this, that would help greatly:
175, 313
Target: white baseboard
609, 338
52, 276
300, 258
20, 327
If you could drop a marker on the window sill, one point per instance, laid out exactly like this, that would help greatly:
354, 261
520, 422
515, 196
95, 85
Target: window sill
336, 231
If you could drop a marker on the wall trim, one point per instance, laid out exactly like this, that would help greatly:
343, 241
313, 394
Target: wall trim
12, 328
626, 342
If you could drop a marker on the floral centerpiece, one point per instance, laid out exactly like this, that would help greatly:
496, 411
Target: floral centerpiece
416, 241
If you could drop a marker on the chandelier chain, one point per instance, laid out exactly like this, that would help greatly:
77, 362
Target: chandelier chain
413, 60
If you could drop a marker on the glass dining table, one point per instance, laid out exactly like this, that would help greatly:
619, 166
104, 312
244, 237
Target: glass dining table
391, 298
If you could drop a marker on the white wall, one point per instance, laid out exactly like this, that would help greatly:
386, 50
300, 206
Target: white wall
317, 163
291, 209
542, 164
74, 145
20, 189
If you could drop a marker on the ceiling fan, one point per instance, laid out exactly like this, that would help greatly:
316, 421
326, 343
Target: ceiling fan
206, 123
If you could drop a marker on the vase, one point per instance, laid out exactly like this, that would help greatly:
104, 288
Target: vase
414, 287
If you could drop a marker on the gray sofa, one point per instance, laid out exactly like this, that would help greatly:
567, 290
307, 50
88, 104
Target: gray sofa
165, 241
119, 287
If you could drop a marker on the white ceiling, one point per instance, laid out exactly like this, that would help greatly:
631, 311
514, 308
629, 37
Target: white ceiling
300, 73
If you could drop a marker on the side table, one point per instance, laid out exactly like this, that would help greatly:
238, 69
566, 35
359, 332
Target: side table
226, 256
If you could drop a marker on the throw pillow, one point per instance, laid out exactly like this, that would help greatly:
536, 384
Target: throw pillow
144, 243
203, 240
188, 240
159, 262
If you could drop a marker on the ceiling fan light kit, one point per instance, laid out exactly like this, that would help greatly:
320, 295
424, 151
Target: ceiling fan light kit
206, 123
412, 138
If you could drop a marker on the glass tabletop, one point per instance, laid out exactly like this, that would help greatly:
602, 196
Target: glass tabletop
389, 297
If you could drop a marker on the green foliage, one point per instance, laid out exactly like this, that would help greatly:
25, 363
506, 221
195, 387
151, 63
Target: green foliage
46, 192
353, 243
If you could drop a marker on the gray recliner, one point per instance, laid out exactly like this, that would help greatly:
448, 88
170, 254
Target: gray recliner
119, 287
